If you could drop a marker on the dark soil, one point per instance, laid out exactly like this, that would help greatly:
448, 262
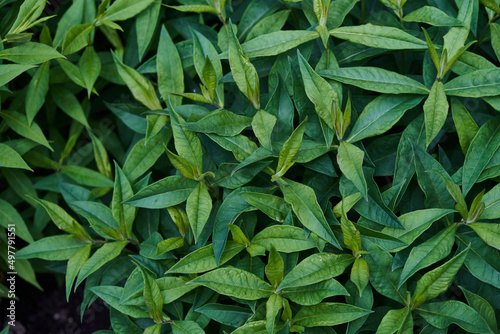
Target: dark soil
47, 312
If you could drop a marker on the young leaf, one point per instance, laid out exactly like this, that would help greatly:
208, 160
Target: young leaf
350, 160
360, 274
275, 268
76, 38
37, 90
198, 208
489, 232
290, 149
262, 125
90, 68
235, 282
75, 263
274, 43
396, 321
435, 111
464, 123
123, 213
169, 69
122, 10
286, 239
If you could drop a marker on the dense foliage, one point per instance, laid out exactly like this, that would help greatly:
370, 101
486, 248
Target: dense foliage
257, 166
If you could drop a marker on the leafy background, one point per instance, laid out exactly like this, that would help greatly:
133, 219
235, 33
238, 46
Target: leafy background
257, 166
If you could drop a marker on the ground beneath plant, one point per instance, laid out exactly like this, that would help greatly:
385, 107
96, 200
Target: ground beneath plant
47, 312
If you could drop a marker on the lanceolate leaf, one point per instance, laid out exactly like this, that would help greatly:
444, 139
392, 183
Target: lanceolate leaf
320, 315
483, 146
37, 90
276, 42
435, 111
464, 123
198, 208
379, 37
480, 83
375, 79
169, 68
350, 160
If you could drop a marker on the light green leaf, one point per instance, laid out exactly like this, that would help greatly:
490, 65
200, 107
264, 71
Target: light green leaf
492, 203
290, 149
273, 206
350, 160
274, 43
275, 268
37, 90
11, 159
124, 214
489, 232
30, 53
75, 263
269, 24
104, 254
433, 16
429, 252
198, 208
435, 111
112, 295
235, 282
379, 37
306, 207
141, 88
320, 93
76, 38
169, 191
464, 123
394, 321
169, 69
144, 155
262, 125
315, 293
479, 83
9, 71
122, 10
101, 156
284, 238
360, 274
481, 150
186, 327
436, 281
221, 122
19, 123
321, 314
316, 268
86, 176
54, 248
273, 306
381, 114
203, 259
443, 314
375, 79
9, 215
90, 68
482, 307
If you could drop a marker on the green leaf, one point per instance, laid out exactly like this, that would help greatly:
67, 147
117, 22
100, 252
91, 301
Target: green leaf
360, 274
10, 71
350, 160
11, 159
195, 8
273, 206
169, 69
432, 16
375, 79
275, 268
464, 123
68, 103
221, 122
380, 115
315, 293
141, 88
379, 37
101, 156
122, 10
321, 314
104, 254
305, 205
198, 208
435, 111
19, 123
269, 24
395, 321
443, 314
286, 239
235, 282
112, 294
123, 213
243, 72
203, 259
290, 149
492, 203
54, 248
316, 268
239, 145
234, 316
320, 93
274, 43
262, 125
37, 90
90, 68
186, 327
154, 329
479, 83
482, 307
489, 232
187, 143
169, 191
429, 252
436, 281
86, 176
75, 263
144, 155
30, 53
152, 295
76, 38
481, 150
9, 215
